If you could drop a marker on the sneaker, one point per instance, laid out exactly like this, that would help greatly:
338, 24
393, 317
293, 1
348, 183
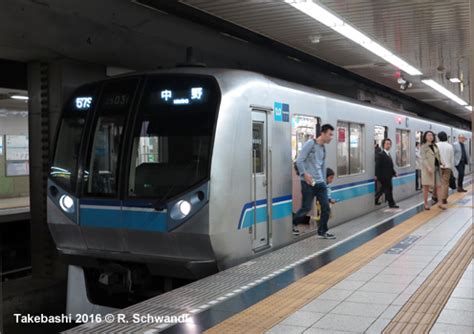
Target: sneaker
295, 231
394, 206
434, 200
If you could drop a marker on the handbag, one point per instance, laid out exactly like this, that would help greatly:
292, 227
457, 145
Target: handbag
452, 182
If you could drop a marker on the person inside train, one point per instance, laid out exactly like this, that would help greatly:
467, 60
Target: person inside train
311, 163
417, 166
384, 173
430, 167
377, 148
446, 154
461, 159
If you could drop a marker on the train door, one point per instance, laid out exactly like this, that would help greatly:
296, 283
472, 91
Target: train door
260, 194
418, 136
303, 128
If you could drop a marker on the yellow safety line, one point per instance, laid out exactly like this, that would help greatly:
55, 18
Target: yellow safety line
419, 314
265, 314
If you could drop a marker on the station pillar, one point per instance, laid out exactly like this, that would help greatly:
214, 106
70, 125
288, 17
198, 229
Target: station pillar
49, 84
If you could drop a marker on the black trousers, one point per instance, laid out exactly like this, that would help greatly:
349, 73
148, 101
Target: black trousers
460, 169
387, 189
417, 174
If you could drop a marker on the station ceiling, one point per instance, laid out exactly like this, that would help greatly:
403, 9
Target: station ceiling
432, 36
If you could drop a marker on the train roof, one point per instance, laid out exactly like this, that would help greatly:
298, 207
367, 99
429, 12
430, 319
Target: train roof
223, 72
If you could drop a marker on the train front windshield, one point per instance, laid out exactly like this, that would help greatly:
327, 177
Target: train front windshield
172, 139
75, 114
153, 144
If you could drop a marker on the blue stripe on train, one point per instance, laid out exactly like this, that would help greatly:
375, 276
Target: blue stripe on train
340, 193
281, 208
134, 220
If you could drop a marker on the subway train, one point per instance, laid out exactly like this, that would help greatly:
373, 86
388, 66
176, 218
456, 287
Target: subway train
177, 174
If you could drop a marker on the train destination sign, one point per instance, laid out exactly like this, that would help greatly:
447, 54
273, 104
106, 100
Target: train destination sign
182, 96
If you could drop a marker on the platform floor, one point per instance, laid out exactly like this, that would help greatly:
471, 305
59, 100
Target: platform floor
13, 203
13, 209
420, 283
229, 301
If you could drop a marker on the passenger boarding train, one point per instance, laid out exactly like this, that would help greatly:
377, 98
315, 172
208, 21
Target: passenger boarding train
181, 173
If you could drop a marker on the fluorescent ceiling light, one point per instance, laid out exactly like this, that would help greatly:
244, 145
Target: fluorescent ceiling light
469, 108
327, 18
455, 80
436, 86
19, 97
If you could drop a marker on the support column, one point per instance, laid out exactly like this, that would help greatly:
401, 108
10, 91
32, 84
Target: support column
49, 84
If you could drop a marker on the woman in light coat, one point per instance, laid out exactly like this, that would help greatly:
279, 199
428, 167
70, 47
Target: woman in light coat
430, 167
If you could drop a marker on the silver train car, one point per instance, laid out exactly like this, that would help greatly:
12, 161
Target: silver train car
181, 173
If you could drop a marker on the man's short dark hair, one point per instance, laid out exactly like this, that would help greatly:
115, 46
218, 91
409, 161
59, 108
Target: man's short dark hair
442, 136
385, 140
326, 127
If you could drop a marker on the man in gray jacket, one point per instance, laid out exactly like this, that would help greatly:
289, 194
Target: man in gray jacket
311, 163
461, 159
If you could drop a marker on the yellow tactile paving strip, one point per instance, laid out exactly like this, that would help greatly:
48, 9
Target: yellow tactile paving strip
419, 314
264, 315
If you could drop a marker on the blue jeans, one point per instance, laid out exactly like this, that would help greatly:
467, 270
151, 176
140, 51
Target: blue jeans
320, 191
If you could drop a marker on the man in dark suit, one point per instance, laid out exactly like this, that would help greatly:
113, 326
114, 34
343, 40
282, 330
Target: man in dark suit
384, 172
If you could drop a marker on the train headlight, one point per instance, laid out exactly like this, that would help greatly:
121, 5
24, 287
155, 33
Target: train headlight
66, 203
184, 207
181, 209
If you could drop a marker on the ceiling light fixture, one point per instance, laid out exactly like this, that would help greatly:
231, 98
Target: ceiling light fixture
19, 97
436, 86
332, 21
455, 80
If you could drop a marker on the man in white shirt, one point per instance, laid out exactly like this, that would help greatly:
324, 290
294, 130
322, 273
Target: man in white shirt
446, 153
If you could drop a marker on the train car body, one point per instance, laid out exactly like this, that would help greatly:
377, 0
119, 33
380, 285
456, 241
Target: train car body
184, 172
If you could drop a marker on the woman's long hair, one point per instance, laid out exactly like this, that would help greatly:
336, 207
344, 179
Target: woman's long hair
423, 141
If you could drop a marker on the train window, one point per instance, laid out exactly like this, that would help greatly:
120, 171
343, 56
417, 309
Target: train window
403, 147
258, 146
470, 147
303, 128
64, 167
100, 176
350, 151
380, 133
418, 136
172, 143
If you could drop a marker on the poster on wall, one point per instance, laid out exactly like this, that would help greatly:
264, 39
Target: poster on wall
17, 156
17, 168
16, 148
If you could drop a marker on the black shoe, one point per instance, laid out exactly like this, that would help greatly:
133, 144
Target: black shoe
434, 199
326, 236
306, 220
377, 202
295, 231
462, 190
393, 206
